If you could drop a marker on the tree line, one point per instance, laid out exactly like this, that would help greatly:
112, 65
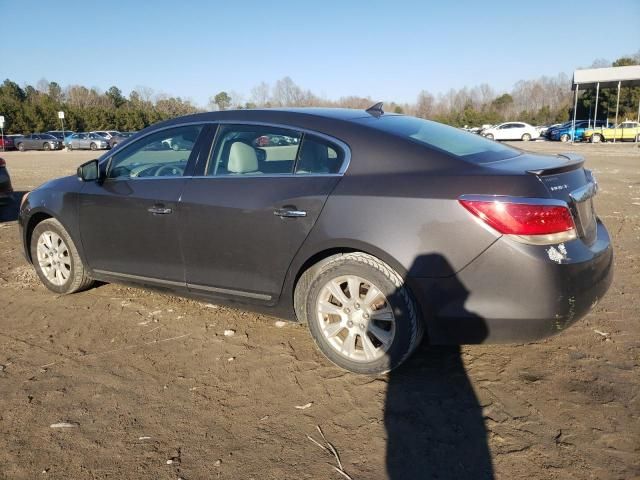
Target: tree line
540, 101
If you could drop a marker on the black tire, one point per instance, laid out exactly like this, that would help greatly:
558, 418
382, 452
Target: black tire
526, 137
78, 279
93, 146
408, 325
21, 147
46, 146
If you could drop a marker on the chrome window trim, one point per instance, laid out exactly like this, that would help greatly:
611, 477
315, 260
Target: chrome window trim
344, 146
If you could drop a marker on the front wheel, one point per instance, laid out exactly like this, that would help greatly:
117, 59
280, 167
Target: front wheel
69, 146
489, 136
46, 146
360, 314
526, 137
21, 147
596, 138
56, 259
93, 146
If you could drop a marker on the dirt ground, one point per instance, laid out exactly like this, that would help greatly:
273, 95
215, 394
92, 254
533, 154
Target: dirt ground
151, 388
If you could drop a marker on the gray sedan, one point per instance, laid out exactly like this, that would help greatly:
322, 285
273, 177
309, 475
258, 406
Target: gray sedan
371, 228
84, 141
38, 141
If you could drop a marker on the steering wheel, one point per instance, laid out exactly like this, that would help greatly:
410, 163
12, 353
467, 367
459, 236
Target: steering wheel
169, 170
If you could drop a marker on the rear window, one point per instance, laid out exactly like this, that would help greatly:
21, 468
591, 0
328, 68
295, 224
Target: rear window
468, 146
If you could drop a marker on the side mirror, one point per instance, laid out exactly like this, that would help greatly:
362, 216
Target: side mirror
89, 171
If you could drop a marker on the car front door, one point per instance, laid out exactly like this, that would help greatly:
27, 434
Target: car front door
129, 222
503, 131
251, 208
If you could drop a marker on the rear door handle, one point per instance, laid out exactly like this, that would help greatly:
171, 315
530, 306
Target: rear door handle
159, 210
283, 212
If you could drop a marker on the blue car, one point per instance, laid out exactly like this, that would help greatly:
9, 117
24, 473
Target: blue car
563, 132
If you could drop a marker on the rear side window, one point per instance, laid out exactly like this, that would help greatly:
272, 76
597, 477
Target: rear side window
318, 156
468, 146
253, 150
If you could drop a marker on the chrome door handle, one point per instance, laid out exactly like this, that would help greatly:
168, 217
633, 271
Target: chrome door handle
159, 210
283, 212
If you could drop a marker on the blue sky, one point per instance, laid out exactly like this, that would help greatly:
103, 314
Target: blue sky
384, 49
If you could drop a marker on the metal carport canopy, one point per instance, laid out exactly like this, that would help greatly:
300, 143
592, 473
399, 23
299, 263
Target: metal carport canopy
607, 77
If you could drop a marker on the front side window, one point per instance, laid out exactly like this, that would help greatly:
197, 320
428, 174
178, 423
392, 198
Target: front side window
253, 150
161, 154
318, 156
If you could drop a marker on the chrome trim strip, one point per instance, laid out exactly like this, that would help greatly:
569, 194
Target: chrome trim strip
512, 199
549, 239
584, 193
228, 291
141, 278
346, 149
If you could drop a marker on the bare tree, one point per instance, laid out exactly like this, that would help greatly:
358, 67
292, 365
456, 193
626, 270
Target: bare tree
424, 104
260, 95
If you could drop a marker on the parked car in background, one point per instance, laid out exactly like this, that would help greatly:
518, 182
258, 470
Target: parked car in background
120, 137
7, 143
564, 131
511, 131
38, 141
106, 133
85, 140
6, 190
61, 135
624, 131
370, 229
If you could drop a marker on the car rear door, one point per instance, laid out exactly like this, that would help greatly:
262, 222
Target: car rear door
129, 222
251, 207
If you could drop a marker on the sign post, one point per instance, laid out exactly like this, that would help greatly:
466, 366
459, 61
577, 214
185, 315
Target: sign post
2, 130
61, 117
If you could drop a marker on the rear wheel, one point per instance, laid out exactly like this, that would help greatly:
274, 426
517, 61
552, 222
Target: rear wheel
21, 147
46, 146
56, 259
489, 136
596, 138
360, 314
93, 146
526, 137
69, 146
565, 137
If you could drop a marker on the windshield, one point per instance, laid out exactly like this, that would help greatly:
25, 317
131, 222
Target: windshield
468, 146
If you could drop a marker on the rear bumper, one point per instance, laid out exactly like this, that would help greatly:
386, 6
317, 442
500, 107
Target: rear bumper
517, 293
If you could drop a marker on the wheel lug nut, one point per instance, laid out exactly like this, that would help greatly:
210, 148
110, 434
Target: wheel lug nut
357, 305
347, 310
366, 315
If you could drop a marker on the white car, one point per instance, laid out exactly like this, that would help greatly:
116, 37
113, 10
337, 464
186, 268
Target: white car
512, 131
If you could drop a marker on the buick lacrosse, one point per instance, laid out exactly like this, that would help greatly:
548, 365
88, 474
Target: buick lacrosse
371, 228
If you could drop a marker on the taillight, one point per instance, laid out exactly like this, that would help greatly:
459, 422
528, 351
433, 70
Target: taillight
2, 162
527, 220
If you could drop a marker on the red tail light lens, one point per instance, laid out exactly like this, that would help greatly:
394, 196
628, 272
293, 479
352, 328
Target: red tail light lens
524, 219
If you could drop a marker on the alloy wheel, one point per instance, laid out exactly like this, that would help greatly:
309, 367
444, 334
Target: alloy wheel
355, 318
54, 258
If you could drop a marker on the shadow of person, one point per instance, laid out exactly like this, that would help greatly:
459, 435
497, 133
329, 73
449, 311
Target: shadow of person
434, 423
10, 208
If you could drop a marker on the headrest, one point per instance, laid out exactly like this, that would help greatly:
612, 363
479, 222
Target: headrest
242, 158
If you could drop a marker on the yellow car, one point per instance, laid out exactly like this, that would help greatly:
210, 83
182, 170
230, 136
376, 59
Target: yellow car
624, 131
